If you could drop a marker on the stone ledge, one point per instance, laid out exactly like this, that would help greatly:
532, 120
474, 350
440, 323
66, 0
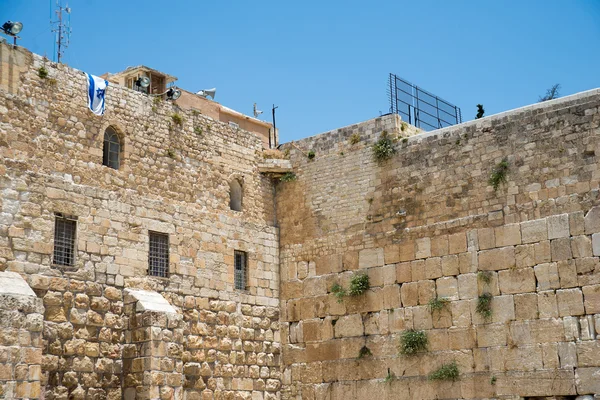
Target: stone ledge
148, 301
13, 283
274, 166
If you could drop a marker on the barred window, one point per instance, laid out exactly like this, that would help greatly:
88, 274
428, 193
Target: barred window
64, 240
158, 254
112, 148
240, 269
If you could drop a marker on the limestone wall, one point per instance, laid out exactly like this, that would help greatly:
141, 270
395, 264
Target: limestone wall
21, 322
427, 224
174, 178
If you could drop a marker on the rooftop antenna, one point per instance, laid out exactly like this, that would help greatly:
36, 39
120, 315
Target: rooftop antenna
62, 28
257, 112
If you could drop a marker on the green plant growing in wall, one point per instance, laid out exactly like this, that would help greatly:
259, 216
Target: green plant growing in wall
384, 148
412, 342
157, 100
485, 276
389, 377
43, 72
170, 153
447, 372
405, 140
358, 284
198, 131
310, 154
403, 126
484, 305
288, 177
493, 380
177, 119
480, 111
355, 138
438, 304
364, 352
339, 292
498, 175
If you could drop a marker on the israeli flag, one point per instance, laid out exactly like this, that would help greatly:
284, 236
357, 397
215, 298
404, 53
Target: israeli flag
96, 91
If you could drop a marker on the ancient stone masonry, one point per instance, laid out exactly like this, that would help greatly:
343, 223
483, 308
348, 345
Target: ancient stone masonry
213, 341
505, 283
481, 244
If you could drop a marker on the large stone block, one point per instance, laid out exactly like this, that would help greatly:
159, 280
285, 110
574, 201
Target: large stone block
447, 287
486, 238
592, 221
508, 235
591, 295
407, 250
547, 304
581, 246
561, 249
497, 259
534, 231
516, 281
457, 243
409, 293
439, 246
433, 268
570, 302
403, 272
461, 313
368, 258
467, 286
526, 306
348, 326
558, 226
547, 276
450, 265
423, 248
588, 379
391, 254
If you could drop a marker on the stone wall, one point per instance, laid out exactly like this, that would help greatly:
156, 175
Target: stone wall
426, 224
174, 178
21, 319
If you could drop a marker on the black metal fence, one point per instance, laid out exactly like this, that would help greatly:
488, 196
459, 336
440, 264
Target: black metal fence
420, 108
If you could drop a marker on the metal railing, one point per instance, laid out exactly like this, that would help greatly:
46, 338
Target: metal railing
420, 108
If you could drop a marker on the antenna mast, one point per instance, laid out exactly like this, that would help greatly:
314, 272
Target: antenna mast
62, 28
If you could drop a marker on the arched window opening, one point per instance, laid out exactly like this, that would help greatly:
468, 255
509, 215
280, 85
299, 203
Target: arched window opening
235, 195
112, 149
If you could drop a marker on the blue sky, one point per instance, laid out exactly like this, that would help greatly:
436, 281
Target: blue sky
326, 63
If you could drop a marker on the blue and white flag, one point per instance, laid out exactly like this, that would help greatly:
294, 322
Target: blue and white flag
96, 91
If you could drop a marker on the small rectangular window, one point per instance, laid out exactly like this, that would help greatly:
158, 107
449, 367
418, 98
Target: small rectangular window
64, 240
240, 269
158, 255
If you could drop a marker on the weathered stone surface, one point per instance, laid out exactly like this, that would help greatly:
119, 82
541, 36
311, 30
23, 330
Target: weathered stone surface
570, 302
497, 259
558, 226
516, 281
534, 231
368, 258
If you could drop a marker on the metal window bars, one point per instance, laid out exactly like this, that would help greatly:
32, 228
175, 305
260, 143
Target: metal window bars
158, 255
64, 240
240, 269
420, 108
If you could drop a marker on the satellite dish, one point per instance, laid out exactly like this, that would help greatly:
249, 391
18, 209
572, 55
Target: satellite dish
207, 92
143, 81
